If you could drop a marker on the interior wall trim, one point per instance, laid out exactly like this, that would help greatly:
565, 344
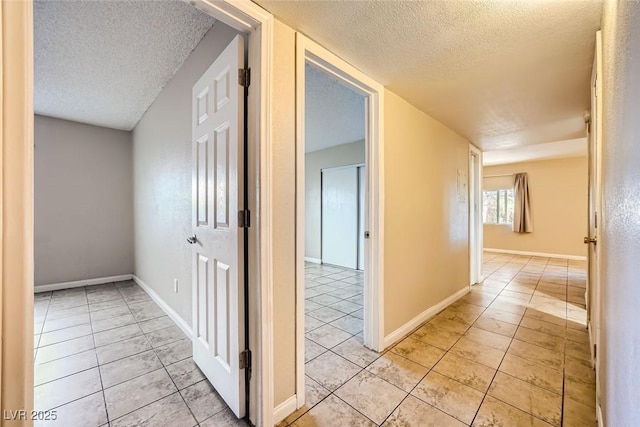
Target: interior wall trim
540, 254
284, 409
81, 283
414, 323
182, 324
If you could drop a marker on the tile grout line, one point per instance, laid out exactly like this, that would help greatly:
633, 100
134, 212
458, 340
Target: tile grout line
104, 399
511, 342
98, 365
505, 353
153, 348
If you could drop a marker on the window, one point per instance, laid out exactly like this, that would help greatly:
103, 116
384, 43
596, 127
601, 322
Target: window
497, 206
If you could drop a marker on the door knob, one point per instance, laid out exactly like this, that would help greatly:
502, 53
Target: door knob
193, 239
588, 240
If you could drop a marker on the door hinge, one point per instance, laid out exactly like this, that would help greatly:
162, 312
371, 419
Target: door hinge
244, 219
245, 359
244, 77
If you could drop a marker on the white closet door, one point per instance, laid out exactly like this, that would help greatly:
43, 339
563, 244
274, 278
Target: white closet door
362, 176
340, 216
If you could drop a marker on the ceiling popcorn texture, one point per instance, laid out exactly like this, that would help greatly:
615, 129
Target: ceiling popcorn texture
500, 73
334, 113
547, 150
105, 62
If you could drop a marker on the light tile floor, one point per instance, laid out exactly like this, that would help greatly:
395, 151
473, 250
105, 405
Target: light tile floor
108, 354
512, 352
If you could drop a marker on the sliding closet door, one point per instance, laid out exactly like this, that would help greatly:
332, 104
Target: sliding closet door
362, 176
340, 216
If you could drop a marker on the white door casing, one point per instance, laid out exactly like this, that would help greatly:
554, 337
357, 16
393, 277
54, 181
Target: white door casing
307, 51
340, 216
218, 261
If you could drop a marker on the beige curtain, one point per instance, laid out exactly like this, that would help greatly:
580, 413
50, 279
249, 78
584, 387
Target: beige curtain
522, 210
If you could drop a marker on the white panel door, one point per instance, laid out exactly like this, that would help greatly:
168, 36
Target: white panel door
362, 176
218, 280
340, 216
594, 285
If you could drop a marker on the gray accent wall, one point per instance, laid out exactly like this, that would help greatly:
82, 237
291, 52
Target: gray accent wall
340, 155
162, 179
83, 201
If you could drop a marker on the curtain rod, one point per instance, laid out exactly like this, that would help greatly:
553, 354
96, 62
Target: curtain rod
496, 176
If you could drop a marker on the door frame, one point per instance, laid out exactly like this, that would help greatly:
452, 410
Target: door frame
595, 168
16, 217
475, 216
16, 209
255, 22
308, 50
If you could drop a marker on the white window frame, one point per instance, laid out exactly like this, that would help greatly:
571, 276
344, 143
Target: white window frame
498, 191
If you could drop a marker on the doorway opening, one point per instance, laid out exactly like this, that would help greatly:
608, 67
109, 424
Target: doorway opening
335, 207
339, 216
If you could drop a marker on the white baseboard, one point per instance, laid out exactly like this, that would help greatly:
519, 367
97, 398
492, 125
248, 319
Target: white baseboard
412, 324
599, 416
182, 324
540, 254
313, 260
591, 342
285, 409
81, 283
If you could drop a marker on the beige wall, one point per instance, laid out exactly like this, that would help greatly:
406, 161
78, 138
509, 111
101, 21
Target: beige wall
83, 201
426, 234
283, 140
620, 340
340, 155
162, 179
558, 192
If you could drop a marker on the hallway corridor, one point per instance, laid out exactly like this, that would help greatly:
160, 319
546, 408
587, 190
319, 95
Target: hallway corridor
512, 352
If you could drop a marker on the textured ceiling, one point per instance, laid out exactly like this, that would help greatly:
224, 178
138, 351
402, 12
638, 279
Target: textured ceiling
104, 62
334, 114
545, 151
500, 73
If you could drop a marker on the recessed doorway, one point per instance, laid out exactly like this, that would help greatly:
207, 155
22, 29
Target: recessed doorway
338, 221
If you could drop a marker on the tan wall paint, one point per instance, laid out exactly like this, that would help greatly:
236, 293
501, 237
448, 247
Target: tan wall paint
558, 191
162, 179
83, 201
620, 234
16, 209
340, 155
283, 194
426, 232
